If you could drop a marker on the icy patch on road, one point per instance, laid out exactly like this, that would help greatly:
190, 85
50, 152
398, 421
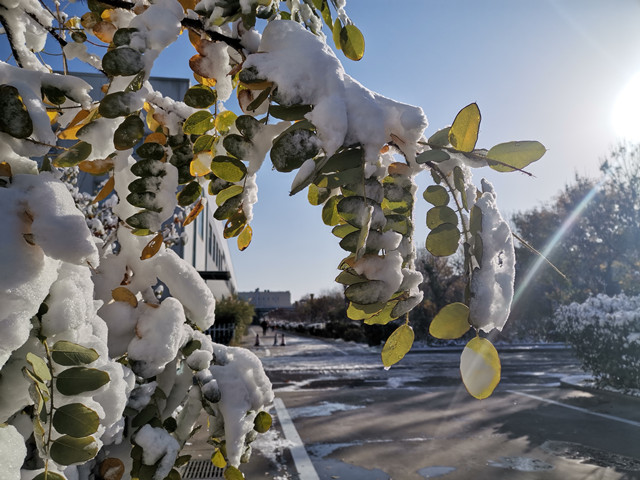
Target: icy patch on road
433, 472
321, 410
521, 464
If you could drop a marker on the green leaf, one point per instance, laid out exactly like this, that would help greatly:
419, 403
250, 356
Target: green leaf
397, 345
443, 240
69, 354
290, 113
143, 221
232, 473
337, 28
198, 123
217, 458
189, 194
76, 420
145, 416
356, 211
434, 156
53, 94
348, 278
352, 42
463, 134
438, 215
440, 138
146, 184
124, 61
480, 367
355, 311
515, 154
366, 293
76, 380
317, 195
204, 143
398, 223
451, 322
77, 153
384, 316
262, 422
228, 168
136, 83
343, 230
118, 104
68, 450
248, 126
228, 193
39, 367
151, 151
122, 37
259, 100
237, 145
344, 160
191, 347
330, 212
235, 224
128, 133
228, 208
436, 195
49, 476
458, 181
292, 148
200, 96
14, 117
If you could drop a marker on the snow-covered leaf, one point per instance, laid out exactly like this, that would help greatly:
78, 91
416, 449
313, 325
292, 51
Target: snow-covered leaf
124, 61
150, 150
75, 420
292, 148
451, 322
480, 367
463, 134
237, 145
70, 354
118, 104
397, 345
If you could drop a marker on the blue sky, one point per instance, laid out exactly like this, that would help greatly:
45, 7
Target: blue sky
539, 70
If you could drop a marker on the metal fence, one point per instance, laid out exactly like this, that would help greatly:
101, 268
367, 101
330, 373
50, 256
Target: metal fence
222, 333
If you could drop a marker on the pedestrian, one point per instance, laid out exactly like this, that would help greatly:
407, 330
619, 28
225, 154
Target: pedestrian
257, 344
264, 326
282, 342
275, 340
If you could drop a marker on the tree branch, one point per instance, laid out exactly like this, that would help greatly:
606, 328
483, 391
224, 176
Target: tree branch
51, 30
9, 33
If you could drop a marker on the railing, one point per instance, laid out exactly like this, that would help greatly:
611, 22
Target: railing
221, 333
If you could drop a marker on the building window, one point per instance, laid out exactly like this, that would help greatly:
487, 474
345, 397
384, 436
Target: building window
200, 225
210, 238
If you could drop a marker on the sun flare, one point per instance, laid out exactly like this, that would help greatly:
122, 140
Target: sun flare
626, 111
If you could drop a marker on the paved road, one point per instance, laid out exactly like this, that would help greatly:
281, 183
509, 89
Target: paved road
415, 421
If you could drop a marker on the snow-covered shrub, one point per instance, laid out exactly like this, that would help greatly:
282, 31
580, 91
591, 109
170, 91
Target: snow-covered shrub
605, 333
96, 373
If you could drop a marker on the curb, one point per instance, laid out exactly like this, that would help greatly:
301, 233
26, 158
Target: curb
586, 383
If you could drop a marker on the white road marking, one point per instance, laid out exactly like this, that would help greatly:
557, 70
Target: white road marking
300, 457
578, 409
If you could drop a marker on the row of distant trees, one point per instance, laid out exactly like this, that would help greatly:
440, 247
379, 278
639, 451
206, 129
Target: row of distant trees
590, 233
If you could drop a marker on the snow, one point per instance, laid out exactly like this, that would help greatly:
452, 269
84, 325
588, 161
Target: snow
12, 452
158, 446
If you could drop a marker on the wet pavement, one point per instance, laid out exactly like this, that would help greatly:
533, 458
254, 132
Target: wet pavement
356, 420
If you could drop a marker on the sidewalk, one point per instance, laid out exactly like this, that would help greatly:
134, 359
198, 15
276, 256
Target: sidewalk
271, 456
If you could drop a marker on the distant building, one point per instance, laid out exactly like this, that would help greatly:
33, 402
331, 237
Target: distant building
265, 301
206, 248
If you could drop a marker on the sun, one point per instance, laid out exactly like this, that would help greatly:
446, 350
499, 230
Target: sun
626, 111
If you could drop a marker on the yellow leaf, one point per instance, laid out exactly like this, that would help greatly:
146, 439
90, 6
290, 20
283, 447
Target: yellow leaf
105, 191
123, 294
104, 31
53, 116
188, 4
224, 120
463, 134
480, 367
157, 137
96, 167
218, 459
200, 164
397, 345
195, 211
5, 170
152, 247
451, 322
244, 239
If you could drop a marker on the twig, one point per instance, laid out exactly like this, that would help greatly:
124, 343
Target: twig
523, 242
7, 30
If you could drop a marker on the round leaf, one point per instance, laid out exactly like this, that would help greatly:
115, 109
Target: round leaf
123, 61
248, 126
218, 459
152, 247
151, 151
198, 123
39, 367
397, 345
69, 354
228, 168
224, 120
366, 293
435, 156
245, 237
76, 380
292, 148
237, 145
118, 104
480, 367
262, 422
75, 420
330, 212
317, 195
232, 473
516, 154
438, 215
128, 133
443, 240
49, 476
68, 450
70, 158
451, 322
436, 195
200, 96
228, 193
123, 294
463, 134
189, 194
352, 42
440, 138
14, 117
